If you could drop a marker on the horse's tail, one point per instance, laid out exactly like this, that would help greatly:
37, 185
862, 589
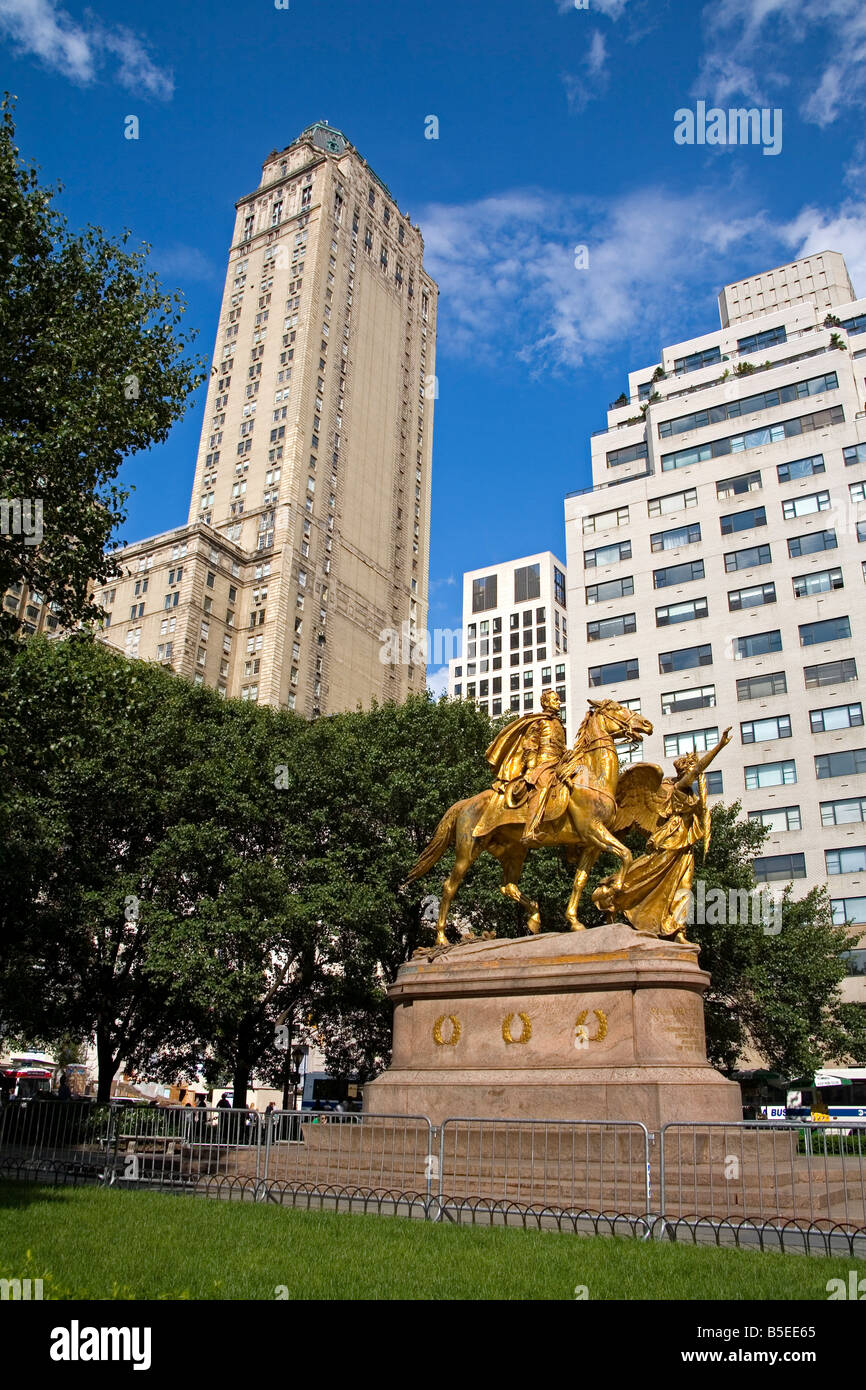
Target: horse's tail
443, 836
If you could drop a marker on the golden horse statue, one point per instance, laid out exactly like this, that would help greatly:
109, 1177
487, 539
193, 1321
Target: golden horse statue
580, 808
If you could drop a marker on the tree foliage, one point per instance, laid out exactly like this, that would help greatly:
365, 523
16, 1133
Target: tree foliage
92, 368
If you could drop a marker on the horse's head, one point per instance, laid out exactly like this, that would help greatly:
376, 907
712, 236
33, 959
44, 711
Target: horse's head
619, 721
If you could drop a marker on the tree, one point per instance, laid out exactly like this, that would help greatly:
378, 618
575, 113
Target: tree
92, 368
95, 775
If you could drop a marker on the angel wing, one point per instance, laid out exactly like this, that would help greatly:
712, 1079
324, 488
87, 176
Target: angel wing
639, 799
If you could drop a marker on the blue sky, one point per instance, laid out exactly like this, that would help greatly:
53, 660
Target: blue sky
556, 128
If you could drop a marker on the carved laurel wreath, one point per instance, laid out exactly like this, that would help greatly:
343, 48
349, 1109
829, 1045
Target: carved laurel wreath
455, 1031
526, 1032
602, 1024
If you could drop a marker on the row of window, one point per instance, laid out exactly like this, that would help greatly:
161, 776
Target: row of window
753, 439
495, 707
806, 467
769, 729
751, 596
750, 557
748, 405
741, 648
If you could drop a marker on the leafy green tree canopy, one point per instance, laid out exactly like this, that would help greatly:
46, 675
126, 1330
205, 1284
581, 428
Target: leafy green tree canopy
92, 368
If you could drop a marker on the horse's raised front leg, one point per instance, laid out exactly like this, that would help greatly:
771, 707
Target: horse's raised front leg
584, 868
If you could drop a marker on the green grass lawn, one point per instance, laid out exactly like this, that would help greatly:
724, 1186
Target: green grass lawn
93, 1244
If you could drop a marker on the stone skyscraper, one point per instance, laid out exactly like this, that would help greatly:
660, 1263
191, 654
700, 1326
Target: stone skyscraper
309, 523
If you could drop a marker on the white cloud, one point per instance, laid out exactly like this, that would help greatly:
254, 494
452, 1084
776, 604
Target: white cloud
815, 230
510, 287
582, 88
78, 50
830, 64
437, 681
506, 269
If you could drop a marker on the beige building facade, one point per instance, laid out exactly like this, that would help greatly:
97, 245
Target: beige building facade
716, 568
308, 532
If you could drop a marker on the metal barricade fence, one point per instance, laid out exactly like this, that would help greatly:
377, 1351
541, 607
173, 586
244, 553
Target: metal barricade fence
560, 1166
337, 1157
49, 1138
786, 1185
181, 1147
802, 1174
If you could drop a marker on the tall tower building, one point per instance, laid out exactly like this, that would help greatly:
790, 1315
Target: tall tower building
308, 533
716, 568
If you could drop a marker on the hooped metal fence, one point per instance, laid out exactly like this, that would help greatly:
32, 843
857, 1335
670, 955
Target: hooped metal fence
779, 1185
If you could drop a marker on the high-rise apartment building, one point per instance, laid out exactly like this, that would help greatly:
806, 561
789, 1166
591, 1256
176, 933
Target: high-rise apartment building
515, 636
716, 568
308, 530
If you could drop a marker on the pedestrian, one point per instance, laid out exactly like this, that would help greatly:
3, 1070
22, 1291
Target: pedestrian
224, 1122
63, 1090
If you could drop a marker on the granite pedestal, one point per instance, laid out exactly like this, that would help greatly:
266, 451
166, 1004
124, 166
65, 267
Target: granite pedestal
603, 1024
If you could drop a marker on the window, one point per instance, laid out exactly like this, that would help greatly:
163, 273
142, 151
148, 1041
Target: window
527, 583
672, 502
676, 537
757, 644
751, 558
761, 687
685, 658
753, 439
136, 611
805, 506
678, 574
756, 341
811, 542
766, 730
610, 627
746, 520
734, 487
850, 910
826, 630
851, 860
779, 868
559, 586
171, 600
695, 741
847, 763
830, 673
607, 554
753, 597
613, 672
691, 697
823, 721
800, 468
613, 588
627, 455
484, 593
781, 774
685, 612
857, 492
819, 582
696, 360
715, 785
778, 818
605, 521
855, 453
849, 810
